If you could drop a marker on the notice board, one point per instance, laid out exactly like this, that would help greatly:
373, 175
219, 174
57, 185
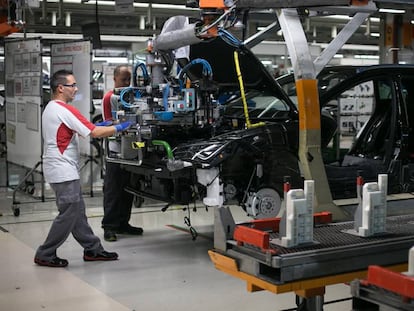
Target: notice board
23, 96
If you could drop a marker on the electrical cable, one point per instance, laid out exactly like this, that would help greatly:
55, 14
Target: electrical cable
144, 73
165, 94
124, 103
206, 71
243, 94
204, 30
229, 38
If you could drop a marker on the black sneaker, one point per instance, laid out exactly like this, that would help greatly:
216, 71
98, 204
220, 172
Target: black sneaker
55, 262
128, 229
101, 256
110, 236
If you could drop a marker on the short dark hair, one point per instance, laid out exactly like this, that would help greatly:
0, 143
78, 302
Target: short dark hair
59, 77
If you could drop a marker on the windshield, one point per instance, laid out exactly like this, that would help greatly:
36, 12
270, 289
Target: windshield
327, 79
261, 105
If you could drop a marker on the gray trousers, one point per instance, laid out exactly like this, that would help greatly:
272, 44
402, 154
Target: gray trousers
71, 219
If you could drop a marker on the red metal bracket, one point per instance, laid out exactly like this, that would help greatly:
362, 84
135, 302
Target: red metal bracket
395, 282
256, 232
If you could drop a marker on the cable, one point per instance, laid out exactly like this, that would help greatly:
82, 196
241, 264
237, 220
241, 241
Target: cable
144, 73
206, 71
166, 146
165, 94
229, 38
243, 95
125, 90
205, 30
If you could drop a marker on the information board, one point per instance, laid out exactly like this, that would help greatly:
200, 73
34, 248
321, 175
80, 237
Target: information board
23, 96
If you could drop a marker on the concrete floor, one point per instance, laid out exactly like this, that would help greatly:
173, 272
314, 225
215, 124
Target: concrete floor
162, 270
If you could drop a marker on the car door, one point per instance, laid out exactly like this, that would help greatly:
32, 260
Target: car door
368, 109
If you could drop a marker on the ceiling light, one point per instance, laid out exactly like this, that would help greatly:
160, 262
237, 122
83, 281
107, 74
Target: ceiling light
112, 60
366, 56
266, 62
60, 36
136, 5
344, 17
392, 11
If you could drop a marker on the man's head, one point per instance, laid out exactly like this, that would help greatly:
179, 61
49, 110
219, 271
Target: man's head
122, 76
63, 85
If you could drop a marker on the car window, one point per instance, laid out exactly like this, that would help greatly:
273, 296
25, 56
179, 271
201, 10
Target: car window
261, 105
364, 115
327, 79
407, 84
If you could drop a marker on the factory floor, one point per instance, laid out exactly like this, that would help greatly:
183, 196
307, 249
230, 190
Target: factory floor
164, 269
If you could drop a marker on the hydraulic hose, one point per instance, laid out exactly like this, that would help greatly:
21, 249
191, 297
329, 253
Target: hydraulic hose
243, 95
166, 146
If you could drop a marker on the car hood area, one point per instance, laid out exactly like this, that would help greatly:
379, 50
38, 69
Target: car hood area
220, 55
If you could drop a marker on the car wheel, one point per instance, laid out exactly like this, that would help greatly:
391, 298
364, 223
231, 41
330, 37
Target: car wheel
264, 203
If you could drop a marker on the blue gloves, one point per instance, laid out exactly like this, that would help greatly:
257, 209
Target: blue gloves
119, 127
104, 123
123, 126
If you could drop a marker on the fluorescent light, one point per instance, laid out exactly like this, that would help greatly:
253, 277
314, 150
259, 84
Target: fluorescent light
266, 62
345, 17
353, 47
137, 5
366, 56
374, 34
112, 60
393, 11
55, 36
338, 56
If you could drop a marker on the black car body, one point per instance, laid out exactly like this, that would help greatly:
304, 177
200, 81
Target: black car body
251, 163
384, 140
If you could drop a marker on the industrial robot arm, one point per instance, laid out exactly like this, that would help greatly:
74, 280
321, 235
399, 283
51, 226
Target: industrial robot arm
216, 15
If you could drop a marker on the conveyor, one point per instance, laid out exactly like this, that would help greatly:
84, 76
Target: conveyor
335, 257
383, 289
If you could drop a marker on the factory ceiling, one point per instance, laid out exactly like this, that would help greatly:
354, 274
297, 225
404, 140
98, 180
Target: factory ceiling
145, 19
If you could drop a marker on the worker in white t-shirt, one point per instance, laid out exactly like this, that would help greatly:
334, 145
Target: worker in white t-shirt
61, 125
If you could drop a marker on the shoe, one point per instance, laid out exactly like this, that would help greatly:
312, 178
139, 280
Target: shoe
55, 262
110, 236
101, 256
128, 229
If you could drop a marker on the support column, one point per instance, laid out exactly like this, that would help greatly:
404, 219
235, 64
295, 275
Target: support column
391, 35
309, 111
407, 39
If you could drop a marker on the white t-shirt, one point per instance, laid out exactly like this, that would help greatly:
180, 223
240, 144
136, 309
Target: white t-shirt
61, 124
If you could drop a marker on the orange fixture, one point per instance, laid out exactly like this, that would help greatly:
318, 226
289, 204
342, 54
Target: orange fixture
359, 2
216, 4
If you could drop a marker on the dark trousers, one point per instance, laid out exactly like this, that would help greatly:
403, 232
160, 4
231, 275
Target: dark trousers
117, 202
71, 219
